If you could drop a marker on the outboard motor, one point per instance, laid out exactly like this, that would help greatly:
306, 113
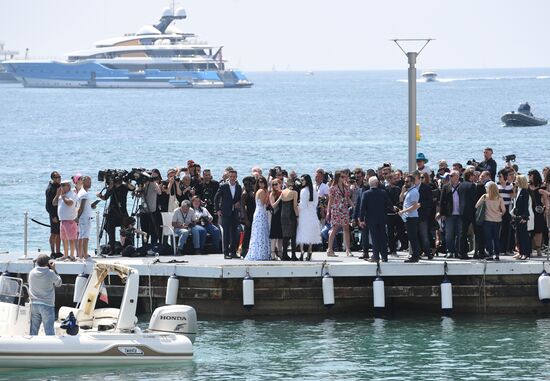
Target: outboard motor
175, 319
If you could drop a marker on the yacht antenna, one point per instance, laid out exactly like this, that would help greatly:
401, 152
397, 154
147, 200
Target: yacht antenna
412, 93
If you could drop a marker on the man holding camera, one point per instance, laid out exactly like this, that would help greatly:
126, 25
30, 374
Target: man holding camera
150, 215
488, 164
116, 213
43, 280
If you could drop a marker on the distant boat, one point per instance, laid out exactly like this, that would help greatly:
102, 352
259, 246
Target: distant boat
522, 118
6, 77
310, 72
429, 76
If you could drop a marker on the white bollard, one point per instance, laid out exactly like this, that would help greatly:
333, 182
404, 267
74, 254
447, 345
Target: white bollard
378, 294
446, 296
248, 292
328, 291
172, 288
544, 287
79, 287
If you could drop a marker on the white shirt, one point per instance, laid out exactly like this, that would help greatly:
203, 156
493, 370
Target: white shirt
67, 212
322, 189
232, 188
87, 213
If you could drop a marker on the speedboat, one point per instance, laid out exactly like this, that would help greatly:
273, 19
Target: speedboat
104, 336
522, 118
156, 56
429, 76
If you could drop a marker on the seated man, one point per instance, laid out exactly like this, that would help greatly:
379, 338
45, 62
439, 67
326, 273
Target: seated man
183, 224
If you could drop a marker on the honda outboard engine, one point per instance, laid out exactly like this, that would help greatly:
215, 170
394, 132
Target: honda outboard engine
175, 319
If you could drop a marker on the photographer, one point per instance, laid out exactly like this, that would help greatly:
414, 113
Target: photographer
187, 191
203, 220
489, 164
116, 212
43, 280
207, 191
51, 194
183, 224
150, 217
168, 199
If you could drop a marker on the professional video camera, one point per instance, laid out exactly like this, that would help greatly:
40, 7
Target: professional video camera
328, 176
110, 175
139, 175
509, 158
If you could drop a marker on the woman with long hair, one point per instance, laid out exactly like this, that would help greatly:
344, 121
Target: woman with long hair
536, 190
494, 210
289, 215
259, 249
523, 219
309, 232
276, 230
339, 202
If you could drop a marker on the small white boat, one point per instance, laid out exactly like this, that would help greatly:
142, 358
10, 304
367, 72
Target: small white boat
429, 76
106, 337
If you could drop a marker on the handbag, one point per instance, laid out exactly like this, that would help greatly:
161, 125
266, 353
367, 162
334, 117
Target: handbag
480, 213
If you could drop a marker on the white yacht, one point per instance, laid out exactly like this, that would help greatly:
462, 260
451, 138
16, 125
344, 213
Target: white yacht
157, 56
6, 77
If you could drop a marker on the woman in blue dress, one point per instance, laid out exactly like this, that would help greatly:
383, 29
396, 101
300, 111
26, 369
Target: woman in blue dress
259, 248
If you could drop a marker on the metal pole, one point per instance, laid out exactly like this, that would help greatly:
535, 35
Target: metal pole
25, 234
97, 231
412, 110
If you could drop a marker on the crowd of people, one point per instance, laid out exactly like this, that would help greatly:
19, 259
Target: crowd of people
452, 210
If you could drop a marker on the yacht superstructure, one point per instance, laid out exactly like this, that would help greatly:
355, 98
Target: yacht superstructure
157, 56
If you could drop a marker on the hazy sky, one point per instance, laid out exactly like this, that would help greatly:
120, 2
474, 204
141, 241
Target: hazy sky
301, 34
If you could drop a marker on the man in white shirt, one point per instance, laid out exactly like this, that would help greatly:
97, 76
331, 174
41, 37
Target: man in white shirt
66, 202
85, 216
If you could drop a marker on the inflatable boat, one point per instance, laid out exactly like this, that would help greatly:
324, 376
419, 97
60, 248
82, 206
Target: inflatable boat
105, 337
522, 118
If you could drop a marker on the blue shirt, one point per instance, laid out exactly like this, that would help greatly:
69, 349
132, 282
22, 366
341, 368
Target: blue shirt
411, 197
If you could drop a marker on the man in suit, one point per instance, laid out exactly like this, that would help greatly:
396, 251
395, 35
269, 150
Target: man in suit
227, 205
467, 199
375, 205
449, 210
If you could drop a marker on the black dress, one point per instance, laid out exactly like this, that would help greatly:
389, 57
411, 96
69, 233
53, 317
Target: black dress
288, 219
540, 220
276, 231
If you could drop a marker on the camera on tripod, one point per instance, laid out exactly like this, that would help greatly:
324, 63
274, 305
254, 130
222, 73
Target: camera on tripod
509, 158
140, 176
111, 175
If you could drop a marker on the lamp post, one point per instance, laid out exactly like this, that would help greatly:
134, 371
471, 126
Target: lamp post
411, 57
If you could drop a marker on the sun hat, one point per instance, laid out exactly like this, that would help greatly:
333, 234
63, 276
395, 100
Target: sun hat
421, 156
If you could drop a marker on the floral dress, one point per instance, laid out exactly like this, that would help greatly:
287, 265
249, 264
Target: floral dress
339, 206
259, 249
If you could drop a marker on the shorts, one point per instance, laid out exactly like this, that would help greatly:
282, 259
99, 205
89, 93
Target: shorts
84, 228
54, 226
69, 230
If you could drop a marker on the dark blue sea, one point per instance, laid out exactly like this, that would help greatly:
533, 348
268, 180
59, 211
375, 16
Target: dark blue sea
329, 119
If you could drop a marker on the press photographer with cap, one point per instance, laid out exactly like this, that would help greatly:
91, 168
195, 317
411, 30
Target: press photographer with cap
43, 279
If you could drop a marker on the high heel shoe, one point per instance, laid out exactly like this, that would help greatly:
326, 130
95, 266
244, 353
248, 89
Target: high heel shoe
348, 253
301, 256
308, 257
330, 253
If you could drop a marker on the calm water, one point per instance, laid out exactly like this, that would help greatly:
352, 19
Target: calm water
330, 119
423, 348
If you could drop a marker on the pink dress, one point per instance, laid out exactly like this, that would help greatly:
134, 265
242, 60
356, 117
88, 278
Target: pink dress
339, 207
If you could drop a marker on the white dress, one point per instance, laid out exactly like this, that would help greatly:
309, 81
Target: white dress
259, 248
308, 224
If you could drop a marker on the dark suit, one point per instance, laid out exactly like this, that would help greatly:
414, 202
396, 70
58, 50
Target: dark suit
396, 227
364, 231
375, 204
467, 197
229, 206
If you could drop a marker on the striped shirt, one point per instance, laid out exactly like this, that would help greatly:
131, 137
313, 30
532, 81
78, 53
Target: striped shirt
506, 193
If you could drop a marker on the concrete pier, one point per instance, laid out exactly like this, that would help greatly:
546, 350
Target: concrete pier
213, 285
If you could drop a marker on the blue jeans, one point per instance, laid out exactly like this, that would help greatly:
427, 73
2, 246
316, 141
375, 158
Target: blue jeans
42, 314
453, 227
491, 237
213, 231
184, 234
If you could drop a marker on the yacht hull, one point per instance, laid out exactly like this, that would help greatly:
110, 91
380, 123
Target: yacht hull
94, 75
517, 119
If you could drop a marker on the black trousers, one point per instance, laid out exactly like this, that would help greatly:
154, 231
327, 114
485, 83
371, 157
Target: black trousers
412, 233
112, 220
246, 239
365, 240
150, 223
379, 241
463, 243
506, 233
230, 225
396, 232
524, 239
